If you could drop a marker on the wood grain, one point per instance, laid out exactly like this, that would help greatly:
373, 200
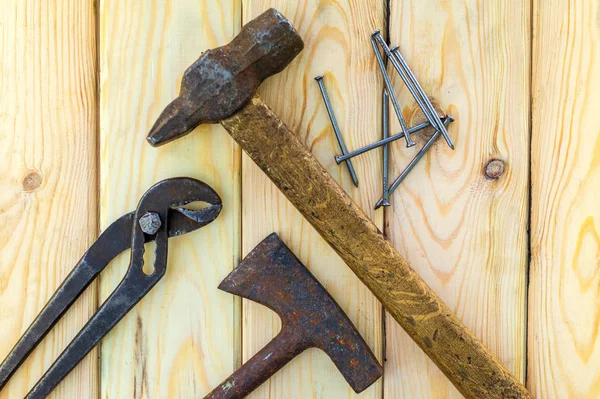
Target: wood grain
47, 177
336, 38
564, 295
465, 234
462, 231
180, 341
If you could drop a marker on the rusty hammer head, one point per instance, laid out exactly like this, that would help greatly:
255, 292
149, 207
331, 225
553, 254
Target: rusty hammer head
224, 79
272, 275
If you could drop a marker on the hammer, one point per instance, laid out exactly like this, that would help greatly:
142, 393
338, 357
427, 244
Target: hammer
272, 276
219, 87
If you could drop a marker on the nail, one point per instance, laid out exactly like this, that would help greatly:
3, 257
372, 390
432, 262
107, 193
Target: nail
385, 110
413, 86
336, 128
388, 84
401, 65
414, 161
341, 158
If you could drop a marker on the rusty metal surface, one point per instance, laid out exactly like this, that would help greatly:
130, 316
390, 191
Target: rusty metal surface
272, 276
224, 79
163, 200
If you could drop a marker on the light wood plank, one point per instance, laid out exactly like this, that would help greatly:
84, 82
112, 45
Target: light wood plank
47, 177
336, 36
564, 295
179, 342
465, 234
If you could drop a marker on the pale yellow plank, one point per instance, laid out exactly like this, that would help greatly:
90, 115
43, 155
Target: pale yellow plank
564, 294
179, 341
465, 234
47, 176
336, 36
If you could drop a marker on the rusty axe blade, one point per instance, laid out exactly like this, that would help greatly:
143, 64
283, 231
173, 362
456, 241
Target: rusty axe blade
310, 318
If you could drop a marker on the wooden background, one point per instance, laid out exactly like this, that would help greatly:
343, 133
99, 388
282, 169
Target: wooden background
517, 256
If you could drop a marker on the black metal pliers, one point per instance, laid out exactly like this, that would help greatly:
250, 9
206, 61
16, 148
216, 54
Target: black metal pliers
156, 218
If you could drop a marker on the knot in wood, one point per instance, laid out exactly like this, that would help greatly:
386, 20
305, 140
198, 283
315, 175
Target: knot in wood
494, 169
32, 181
416, 117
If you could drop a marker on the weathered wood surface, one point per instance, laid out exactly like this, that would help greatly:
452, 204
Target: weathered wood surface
564, 293
48, 185
180, 341
462, 231
332, 32
67, 172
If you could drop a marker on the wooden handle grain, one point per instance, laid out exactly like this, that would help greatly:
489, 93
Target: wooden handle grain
339, 220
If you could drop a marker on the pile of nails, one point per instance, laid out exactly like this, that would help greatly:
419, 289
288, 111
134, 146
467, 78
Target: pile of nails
439, 124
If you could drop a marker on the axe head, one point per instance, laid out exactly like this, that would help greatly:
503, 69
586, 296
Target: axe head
272, 276
224, 79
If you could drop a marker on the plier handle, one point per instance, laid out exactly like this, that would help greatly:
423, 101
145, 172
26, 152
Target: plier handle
164, 200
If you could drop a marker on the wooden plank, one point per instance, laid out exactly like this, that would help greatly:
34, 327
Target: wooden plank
48, 179
180, 340
564, 294
464, 233
336, 36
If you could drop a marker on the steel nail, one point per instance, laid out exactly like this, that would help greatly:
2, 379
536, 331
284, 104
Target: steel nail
413, 86
341, 158
336, 128
407, 76
414, 161
425, 104
388, 84
410, 83
385, 110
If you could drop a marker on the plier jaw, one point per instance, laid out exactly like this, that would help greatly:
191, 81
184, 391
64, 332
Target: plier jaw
165, 199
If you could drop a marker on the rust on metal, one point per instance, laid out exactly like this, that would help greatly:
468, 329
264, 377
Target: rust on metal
224, 79
272, 276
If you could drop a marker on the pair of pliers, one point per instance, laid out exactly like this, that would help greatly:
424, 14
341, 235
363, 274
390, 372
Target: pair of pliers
158, 216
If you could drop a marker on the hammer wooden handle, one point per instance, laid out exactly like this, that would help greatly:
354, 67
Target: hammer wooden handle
339, 220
